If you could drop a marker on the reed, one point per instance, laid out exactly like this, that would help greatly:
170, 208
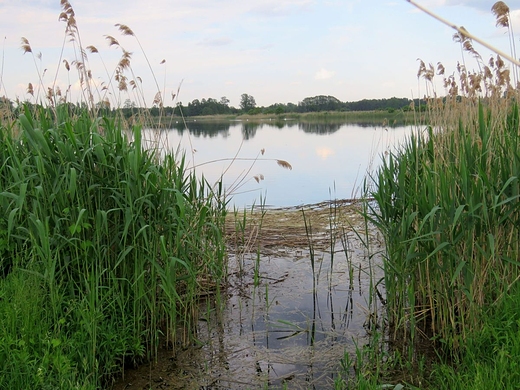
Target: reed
104, 246
492, 353
447, 204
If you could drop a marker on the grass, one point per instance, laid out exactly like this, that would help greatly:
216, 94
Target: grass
396, 118
104, 248
107, 241
449, 204
492, 354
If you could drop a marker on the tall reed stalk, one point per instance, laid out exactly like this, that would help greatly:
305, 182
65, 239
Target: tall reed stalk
113, 243
447, 200
447, 203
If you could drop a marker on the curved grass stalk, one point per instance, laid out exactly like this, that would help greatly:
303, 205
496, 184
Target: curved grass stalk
463, 32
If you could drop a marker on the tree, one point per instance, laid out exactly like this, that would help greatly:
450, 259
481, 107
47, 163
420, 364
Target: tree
207, 111
320, 103
128, 104
224, 101
247, 102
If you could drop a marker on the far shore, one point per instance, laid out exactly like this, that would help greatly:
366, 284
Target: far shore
383, 118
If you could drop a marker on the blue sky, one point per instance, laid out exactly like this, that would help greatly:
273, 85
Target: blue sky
276, 50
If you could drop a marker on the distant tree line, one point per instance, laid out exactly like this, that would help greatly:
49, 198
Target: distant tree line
310, 104
248, 105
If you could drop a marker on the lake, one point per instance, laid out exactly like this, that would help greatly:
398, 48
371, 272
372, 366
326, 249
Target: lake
307, 289
328, 160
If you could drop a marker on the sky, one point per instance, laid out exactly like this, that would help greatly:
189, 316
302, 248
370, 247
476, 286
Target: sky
278, 51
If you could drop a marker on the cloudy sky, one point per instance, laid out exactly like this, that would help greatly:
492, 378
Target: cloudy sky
278, 51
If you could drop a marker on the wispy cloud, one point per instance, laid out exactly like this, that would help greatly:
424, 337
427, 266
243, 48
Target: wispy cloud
220, 41
281, 8
481, 5
267, 48
324, 74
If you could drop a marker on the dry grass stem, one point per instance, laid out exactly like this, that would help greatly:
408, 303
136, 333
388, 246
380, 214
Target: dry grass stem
465, 33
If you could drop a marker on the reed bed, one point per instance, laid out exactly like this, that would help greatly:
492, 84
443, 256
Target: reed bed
105, 249
447, 202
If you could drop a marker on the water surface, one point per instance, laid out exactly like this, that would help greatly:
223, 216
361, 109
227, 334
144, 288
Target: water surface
329, 160
298, 298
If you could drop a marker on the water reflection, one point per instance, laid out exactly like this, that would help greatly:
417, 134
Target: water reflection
249, 129
329, 159
202, 129
212, 129
292, 327
320, 128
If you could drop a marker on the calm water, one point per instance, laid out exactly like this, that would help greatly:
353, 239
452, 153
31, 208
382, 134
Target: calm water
291, 313
329, 161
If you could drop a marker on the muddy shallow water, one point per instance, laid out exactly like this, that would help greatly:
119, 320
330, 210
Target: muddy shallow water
302, 291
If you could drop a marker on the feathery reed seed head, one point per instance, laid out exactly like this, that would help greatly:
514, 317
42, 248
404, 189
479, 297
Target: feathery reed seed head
26, 47
284, 164
157, 99
501, 12
111, 40
125, 30
440, 69
92, 49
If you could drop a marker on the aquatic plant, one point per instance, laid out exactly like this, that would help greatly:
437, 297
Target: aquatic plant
106, 244
447, 204
111, 240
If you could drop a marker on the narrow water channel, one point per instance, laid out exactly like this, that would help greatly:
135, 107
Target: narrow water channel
297, 300
303, 287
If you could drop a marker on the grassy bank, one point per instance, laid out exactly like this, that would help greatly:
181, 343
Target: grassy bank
447, 205
104, 250
491, 356
384, 118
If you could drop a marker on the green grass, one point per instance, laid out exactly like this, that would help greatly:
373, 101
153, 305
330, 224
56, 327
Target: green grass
491, 356
447, 203
104, 248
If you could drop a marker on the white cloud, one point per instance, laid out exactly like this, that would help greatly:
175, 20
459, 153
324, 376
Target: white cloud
280, 8
324, 74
